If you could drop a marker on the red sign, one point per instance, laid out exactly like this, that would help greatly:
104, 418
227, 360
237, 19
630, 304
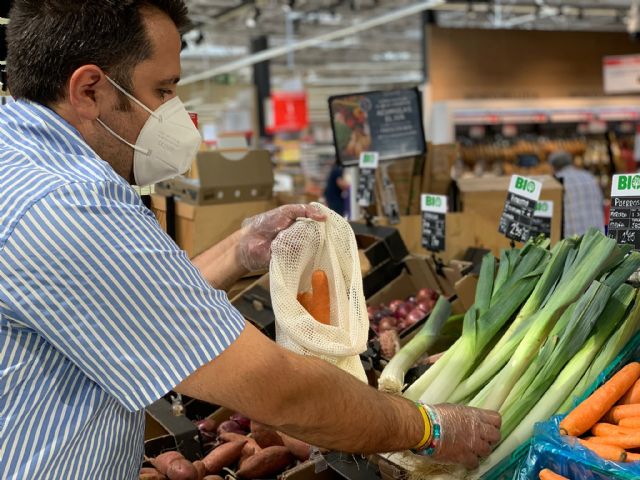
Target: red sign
194, 118
289, 112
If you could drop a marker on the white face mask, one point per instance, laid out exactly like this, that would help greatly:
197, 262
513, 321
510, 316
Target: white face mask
167, 144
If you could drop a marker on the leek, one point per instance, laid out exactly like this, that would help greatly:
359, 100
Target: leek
505, 347
564, 343
485, 283
478, 330
570, 375
598, 249
392, 377
608, 352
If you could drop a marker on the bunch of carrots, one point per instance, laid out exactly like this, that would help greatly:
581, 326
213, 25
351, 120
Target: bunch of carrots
612, 415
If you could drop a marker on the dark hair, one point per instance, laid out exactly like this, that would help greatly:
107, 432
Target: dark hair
49, 39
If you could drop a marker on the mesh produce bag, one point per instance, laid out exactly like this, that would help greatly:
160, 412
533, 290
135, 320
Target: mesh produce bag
296, 253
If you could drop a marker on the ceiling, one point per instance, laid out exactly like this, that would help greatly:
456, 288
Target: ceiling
387, 54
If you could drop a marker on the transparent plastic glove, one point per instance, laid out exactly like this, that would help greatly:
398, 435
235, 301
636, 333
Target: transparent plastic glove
254, 248
466, 434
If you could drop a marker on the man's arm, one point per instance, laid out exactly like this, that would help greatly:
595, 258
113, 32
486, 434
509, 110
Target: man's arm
305, 397
219, 264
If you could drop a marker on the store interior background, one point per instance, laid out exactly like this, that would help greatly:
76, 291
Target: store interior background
500, 80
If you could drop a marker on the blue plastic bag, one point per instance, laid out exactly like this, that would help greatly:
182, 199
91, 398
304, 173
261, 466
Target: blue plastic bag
565, 456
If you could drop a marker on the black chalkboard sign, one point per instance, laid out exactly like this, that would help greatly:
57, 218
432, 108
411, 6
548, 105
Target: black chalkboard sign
624, 217
387, 122
515, 222
434, 212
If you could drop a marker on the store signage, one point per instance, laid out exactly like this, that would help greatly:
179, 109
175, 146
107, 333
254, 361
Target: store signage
388, 122
541, 221
389, 197
367, 178
288, 112
515, 222
434, 212
624, 217
622, 74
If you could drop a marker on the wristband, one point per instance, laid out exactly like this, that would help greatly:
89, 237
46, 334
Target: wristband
428, 429
433, 445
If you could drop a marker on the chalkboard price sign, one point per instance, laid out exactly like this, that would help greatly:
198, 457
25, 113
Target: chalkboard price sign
624, 219
515, 222
541, 221
434, 211
367, 178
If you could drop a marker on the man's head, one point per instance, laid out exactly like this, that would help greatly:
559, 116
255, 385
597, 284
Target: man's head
560, 159
60, 52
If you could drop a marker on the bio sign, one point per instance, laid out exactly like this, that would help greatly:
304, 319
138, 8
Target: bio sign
367, 178
542, 216
624, 217
434, 210
517, 215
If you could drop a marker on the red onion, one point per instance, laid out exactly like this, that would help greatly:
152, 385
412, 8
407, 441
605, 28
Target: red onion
371, 311
425, 305
231, 426
415, 316
387, 323
424, 294
241, 420
378, 316
393, 306
403, 310
412, 299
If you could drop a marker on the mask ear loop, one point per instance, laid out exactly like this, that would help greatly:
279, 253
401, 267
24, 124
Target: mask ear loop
128, 95
144, 151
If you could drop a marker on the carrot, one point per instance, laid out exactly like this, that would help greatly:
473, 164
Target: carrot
622, 441
607, 452
585, 415
630, 422
632, 395
633, 457
623, 411
609, 430
547, 474
318, 302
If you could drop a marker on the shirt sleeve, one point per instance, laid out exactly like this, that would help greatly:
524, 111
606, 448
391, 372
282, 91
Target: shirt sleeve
90, 269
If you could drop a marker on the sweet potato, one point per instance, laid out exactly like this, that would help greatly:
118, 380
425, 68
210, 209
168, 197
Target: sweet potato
270, 461
200, 468
223, 456
231, 437
150, 474
213, 477
162, 461
182, 469
298, 448
250, 448
264, 436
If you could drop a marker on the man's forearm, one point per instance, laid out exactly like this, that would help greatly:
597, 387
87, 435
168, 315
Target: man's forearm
219, 264
305, 397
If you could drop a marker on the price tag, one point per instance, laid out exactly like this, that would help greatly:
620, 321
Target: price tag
434, 212
515, 222
624, 219
541, 221
367, 178
389, 198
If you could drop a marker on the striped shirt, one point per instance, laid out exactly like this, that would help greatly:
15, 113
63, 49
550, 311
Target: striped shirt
583, 201
100, 312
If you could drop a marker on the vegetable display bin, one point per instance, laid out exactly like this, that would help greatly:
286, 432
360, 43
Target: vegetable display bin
549, 449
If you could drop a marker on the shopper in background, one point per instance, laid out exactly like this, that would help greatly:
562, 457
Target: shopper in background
100, 312
336, 191
583, 199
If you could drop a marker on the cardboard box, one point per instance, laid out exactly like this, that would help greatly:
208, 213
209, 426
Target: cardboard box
223, 180
483, 199
199, 227
254, 303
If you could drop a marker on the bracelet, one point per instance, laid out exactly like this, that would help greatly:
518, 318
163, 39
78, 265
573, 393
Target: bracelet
433, 444
428, 429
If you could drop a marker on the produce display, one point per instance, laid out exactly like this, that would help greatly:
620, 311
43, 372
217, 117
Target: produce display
543, 327
238, 447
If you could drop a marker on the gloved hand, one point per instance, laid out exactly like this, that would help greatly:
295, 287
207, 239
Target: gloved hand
254, 248
467, 434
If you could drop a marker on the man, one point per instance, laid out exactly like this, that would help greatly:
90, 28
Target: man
100, 312
583, 200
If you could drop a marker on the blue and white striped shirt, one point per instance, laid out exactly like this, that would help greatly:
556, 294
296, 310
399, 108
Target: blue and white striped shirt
100, 312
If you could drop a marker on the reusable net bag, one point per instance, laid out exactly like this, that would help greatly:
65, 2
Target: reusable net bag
295, 254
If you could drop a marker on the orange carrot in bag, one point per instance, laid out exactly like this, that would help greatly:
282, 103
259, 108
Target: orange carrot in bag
607, 452
626, 442
318, 302
591, 410
616, 414
547, 474
632, 395
630, 422
609, 430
